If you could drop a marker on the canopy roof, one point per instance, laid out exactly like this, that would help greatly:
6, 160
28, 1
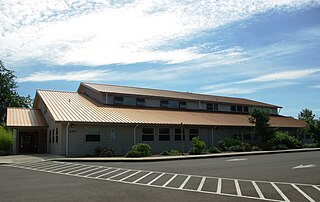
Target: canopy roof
21, 117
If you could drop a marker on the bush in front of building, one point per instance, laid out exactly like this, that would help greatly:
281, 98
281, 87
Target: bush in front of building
246, 146
213, 150
6, 141
198, 146
103, 152
312, 145
139, 150
172, 152
224, 145
282, 140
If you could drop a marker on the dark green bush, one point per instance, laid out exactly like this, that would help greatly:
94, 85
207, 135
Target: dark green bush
213, 150
283, 139
235, 148
139, 150
5, 140
232, 142
280, 147
255, 148
133, 154
103, 152
246, 146
172, 152
222, 145
198, 146
312, 145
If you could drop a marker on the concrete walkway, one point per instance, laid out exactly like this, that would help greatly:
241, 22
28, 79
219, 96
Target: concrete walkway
27, 158
43, 157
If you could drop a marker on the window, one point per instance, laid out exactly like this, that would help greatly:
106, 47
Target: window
52, 135
178, 131
129, 101
174, 104
215, 107
164, 103
233, 108
56, 131
92, 134
245, 109
239, 108
178, 137
193, 131
209, 106
182, 105
164, 137
164, 130
192, 136
140, 102
147, 137
147, 130
118, 100
49, 136
56, 138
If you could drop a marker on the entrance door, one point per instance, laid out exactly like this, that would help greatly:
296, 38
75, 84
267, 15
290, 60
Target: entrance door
28, 142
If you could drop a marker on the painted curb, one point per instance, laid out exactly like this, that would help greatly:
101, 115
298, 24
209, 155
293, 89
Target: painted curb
173, 158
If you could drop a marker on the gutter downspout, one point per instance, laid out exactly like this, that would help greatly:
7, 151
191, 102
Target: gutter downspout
134, 134
67, 139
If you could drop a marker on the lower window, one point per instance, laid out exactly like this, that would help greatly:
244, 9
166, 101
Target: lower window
92, 138
164, 137
192, 136
178, 137
147, 137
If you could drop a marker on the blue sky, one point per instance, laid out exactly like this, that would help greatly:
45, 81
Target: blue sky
262, 50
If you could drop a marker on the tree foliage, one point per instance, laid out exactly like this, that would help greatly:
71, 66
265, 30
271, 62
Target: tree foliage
9, 96
260, 118
5, 140
313, 125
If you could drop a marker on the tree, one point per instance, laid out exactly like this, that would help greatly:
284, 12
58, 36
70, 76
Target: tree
313, 125
260, 118
8, 93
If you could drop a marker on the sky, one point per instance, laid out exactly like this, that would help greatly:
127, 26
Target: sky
264, 50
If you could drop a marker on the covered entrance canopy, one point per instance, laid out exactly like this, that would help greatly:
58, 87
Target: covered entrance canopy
29, 130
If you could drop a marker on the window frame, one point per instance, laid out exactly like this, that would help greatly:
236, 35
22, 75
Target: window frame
92, 135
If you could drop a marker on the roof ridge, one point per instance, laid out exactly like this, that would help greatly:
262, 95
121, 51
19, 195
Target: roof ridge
60, 91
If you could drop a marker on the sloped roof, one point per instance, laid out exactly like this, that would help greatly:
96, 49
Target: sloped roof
76, 107
106, 88
21, 117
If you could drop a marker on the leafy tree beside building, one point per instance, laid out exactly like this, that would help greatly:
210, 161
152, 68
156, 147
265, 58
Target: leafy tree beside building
313, 125
9, 96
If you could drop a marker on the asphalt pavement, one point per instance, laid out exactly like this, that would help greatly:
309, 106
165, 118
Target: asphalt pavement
276, 177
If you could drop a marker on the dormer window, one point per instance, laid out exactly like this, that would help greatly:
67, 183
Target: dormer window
239, 108
245, 109
118, 100
215, 107
164, 103
174, 104
129, 101
233, 108
140, 102
182, 105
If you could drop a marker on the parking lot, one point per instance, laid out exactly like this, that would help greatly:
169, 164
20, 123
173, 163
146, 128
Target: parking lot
228, 178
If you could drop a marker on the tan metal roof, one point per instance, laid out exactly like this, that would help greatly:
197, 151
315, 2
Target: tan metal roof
76, 107
21, 117
105, 88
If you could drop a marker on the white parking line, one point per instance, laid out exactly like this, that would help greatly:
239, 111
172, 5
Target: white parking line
279, 191
97, 172
107, 173
119, 174
201, 183
185, 182
86, 171
137, 180
236, 183
62, 167
170, 180
316, 187
219, 186
258, 190
303, 193
155, 179
130, 175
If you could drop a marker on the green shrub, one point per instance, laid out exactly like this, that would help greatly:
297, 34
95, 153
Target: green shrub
139, 150
133, 154
6, 140
232, 142
280, 147
312, 145
172, 152
246, 146
235, 148
198, 146
103, 152
213, 150
255, 148
283, 139
222, 145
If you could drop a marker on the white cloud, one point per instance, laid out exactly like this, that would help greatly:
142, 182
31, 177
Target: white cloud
93, 33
